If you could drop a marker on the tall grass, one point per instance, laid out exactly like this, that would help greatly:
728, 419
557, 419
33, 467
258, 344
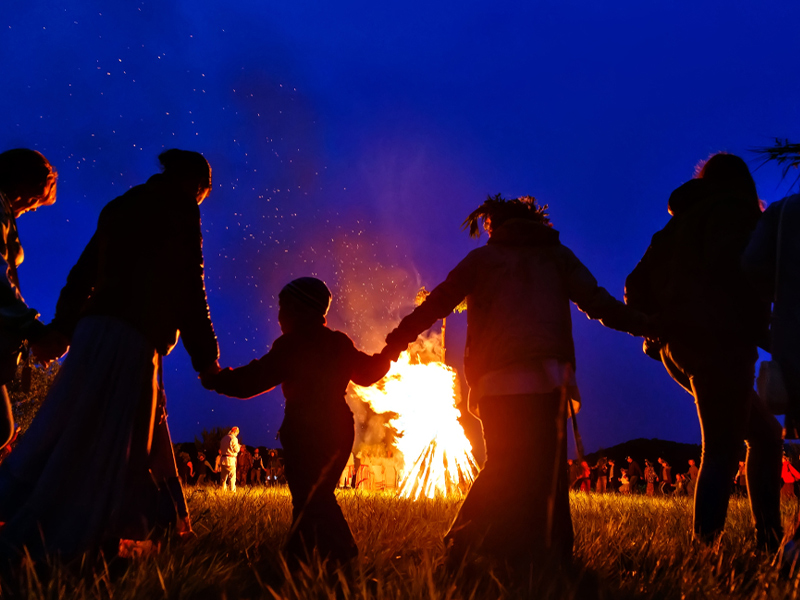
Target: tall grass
626, 547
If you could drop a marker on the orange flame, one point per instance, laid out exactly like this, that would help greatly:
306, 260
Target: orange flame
437, 455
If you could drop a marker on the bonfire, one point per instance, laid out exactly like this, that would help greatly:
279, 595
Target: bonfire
421, 397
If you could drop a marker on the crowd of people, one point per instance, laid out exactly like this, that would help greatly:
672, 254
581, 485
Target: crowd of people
700, 297
656, 479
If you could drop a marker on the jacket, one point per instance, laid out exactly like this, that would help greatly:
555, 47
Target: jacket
518, 289
313, 365
691, 273
144, 265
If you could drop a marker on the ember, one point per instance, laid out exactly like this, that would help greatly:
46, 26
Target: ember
437, 457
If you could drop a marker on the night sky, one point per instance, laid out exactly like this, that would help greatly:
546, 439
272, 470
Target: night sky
349, 140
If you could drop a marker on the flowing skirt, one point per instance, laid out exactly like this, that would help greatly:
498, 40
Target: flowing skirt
81, 474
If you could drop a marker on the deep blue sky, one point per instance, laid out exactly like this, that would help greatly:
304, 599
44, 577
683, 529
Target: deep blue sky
350, 139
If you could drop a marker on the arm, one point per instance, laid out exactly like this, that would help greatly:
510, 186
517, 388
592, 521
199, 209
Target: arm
258, 376
367, 369
194, 319
440, 303
760, 257
79, 286
597, 303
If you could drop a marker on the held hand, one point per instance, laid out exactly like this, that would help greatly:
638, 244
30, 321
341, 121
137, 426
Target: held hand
51, 346
392, 351
208, 375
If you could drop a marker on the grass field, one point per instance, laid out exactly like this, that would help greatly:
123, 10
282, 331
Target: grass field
638, 548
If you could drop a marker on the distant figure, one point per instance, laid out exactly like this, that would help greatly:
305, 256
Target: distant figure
257, 468
203, 468
601, 468
185, 467
680, 485
691, 477
586, 477
741, 479
613, 475
314, 365
519, 363
760, 259
27, 181
274, 468
229, 449
691, 276
650, 478
666, 477
137, 286
624, 482
634, 475
244, 463
790, 476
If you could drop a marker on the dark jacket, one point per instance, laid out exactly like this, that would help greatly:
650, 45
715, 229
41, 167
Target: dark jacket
313, 365
518, 289
691, 273
144, 265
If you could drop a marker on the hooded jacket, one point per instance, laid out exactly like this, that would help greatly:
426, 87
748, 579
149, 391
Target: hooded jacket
144, 266
518, 289
691, 273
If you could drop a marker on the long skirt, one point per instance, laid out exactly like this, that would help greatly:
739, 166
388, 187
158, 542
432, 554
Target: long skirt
517, 511
80, 476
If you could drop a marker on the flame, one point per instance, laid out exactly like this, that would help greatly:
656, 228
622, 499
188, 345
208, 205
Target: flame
437, 456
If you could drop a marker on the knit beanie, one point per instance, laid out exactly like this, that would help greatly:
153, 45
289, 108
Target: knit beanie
308, 291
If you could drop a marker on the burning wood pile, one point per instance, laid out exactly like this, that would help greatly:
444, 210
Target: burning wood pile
421, 397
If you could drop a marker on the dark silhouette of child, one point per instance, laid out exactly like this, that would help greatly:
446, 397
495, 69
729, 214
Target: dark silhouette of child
314, 365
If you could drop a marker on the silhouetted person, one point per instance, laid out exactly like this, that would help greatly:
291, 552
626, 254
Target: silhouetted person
314, 365
634, 475
137, 286
519, 354
601, 468
666, 476
763, 254
691, 275
27, 181
229, 447
650, 477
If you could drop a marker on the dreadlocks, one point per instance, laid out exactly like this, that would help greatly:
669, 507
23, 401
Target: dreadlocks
496, 210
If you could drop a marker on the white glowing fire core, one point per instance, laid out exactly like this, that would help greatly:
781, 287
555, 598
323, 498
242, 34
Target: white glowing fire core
437, 455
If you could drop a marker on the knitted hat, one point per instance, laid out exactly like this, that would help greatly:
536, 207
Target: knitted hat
310, 292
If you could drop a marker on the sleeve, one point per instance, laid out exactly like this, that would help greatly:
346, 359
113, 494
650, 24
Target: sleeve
597, 303
760, 256
258, 376
194, 319
15, 314
80, 284
639, 293
367, 369
440, 303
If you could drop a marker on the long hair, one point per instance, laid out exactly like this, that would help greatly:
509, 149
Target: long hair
23, 166
496, 210
188, 165
730, 173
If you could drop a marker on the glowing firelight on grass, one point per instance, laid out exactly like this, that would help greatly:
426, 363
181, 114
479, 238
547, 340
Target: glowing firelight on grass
437, 455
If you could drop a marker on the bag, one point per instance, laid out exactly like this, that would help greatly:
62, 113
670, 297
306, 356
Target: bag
771, 387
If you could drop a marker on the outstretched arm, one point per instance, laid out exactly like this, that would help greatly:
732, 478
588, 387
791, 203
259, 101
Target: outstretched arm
258, 376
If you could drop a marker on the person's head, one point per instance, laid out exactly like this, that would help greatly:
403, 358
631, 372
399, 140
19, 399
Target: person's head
785, 458
496, 210
303, 302
256, 452
730, 173
189, 170
629, 459
234, 431
611, 461
201, 456
27, 180
691, 462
